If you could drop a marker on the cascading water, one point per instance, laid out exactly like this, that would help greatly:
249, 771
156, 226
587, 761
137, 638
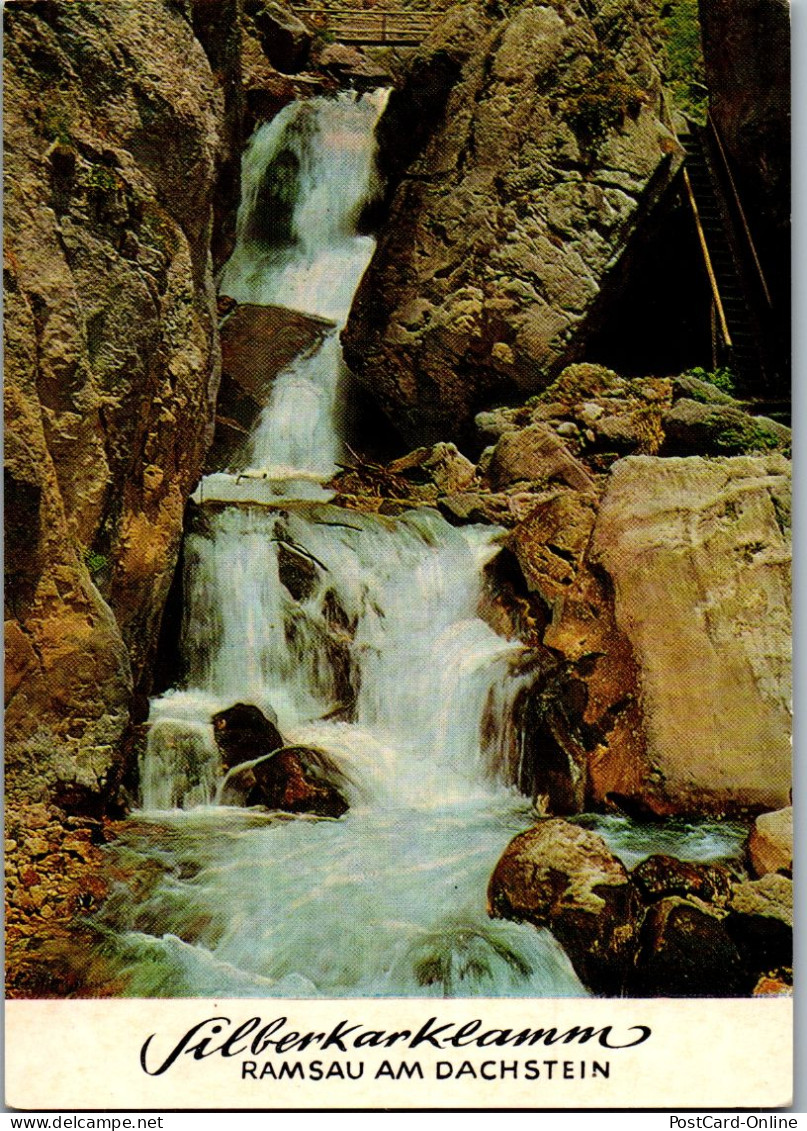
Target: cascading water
360, 632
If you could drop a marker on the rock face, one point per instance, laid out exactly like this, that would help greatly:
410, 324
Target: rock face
699, 561
526, 152
562, 877
112, 146
243, 733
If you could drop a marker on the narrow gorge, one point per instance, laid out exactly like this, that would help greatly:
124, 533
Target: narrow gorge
367, 633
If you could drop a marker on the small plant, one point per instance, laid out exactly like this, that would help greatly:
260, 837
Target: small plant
722, 378
102, 179
751, 437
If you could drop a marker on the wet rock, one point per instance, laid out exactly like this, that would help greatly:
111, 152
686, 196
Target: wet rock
442, 464
760, 921
243, 733
299, 779
285, 39
770, 845
699, 559
257, 343
111, 363
565, 878
691, 427
659, 877
536, 454
686, 951
296, 571
604, 734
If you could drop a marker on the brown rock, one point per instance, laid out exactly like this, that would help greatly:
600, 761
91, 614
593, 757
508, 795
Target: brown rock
442, 464
559, 876
660, 876
257, 343
525, 150
551, 543
538, 455
285, 39
111, 363
772, 987
770, 845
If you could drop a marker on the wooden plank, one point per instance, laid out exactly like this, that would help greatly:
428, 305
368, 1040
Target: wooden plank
371, 25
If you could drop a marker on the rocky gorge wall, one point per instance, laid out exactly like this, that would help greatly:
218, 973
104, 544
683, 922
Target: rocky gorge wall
114, 135
525, 151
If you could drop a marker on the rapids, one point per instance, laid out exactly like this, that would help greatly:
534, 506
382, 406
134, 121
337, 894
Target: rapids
361, 633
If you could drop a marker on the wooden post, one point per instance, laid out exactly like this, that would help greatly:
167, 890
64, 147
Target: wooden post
707, 259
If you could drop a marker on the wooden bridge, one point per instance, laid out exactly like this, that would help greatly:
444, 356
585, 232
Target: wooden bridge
371, 26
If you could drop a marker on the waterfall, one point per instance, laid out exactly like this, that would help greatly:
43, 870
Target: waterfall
359, 635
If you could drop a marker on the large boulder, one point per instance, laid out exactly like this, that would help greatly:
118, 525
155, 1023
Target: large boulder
257, 343
566, 878
114, 126
526, 152
697, 552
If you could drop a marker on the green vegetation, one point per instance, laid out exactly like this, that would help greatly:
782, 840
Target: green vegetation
102, 179
95, 563
580, 382
57, 123
685, 73
721, 378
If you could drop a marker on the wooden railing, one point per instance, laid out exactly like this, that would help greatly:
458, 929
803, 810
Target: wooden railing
370, 25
